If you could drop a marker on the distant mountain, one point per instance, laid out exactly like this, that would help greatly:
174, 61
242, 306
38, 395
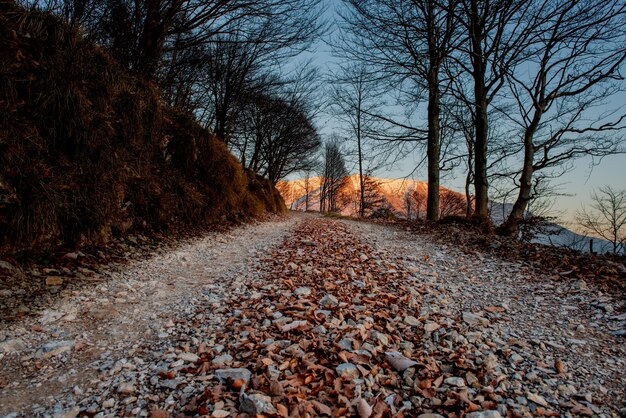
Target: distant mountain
404, 198
407, 199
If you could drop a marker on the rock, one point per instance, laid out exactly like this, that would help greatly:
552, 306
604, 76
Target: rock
233, 374
484, 414
348, 371
54, 348
345, 344
220, 413
302, 291
329, 300
430, 416
54, 281
472, 380
515, 359
431, 326
256, 404
188, 357
126, 388
363, 258
380, 337
412, 321
109, 403
455, 381
474, 320
12, 346
222, 360
538, 399
70, 413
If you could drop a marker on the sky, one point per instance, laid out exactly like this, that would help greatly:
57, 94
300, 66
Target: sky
575, 186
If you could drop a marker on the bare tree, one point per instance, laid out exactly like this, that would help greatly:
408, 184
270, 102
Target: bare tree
606, 217
407, 41
580, 52
333, 177
277, 137
353, 98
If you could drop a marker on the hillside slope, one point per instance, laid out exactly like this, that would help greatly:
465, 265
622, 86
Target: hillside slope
88, 152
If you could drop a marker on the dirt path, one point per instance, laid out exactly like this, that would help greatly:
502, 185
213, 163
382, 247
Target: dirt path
313, 316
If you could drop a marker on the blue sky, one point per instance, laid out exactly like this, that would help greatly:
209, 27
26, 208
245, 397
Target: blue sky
577, 184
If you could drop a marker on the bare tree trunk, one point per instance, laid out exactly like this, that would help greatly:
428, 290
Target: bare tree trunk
511, 225
432, 202
358, 138
481, 185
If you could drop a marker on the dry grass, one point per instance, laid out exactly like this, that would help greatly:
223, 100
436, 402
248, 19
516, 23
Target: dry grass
88, 152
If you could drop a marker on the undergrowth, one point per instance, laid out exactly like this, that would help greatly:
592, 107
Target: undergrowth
89, 153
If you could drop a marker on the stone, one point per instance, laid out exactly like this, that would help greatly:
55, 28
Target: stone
515, 359
233, 374
430, 416
484, 414
412, 321
126, 388
538, 399
109, 403
329, 300
302, 291
222, 360
345, 344
348, 371
54, 281
256, 404
472, 380
12, 346
54, 348
431, 326
188, 357
455, 381
474, 320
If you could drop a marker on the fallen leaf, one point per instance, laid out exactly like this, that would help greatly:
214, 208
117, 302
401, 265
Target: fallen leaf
363, 408
399, 361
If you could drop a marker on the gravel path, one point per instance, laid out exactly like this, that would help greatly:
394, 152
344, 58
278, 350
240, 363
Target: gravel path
66, 345
311, 316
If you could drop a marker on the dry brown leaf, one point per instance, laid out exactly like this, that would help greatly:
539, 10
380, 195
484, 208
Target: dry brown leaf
398, 361
282, 410
363, 408
321, 408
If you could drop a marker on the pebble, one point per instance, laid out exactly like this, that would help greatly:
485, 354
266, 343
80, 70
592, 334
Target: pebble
222, 360
188, 357
431, 326
233, 374
412, 321
474, 320
484, 414
302, 291
538, 399
329, 300
348, 371
455, 381
256, 404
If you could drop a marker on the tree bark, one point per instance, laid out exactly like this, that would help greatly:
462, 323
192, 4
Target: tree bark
512, 223
432, 151
481, 184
